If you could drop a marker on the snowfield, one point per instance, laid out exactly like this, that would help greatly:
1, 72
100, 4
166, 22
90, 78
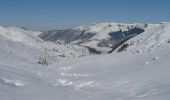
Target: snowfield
140, 72
116, 76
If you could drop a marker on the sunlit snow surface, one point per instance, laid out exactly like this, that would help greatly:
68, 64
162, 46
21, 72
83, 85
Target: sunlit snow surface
117, 76
150, 40
112, 77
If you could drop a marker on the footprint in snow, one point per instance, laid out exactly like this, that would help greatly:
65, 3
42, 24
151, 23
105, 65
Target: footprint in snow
63, 82
146, 63
15, 83
155, 58
65, 68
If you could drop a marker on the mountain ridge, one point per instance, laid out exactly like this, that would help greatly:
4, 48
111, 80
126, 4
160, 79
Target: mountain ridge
100, 36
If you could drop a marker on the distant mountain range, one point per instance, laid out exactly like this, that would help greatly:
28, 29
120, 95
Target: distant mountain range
102, 37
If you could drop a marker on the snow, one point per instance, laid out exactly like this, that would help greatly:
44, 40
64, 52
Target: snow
16, 33
152, 39
94, 77
103, 29
101, 36
116, 76
24, 44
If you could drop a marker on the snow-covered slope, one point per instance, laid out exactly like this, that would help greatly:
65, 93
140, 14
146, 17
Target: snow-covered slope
101, 36
116, 76
23, 43
17, 33
143, 76
158, 37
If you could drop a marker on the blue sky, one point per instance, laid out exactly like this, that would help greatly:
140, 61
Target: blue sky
60, 14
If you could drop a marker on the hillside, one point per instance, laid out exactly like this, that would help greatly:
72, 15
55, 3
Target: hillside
140, 77
34, 69
100, 36
25, 44
150, 40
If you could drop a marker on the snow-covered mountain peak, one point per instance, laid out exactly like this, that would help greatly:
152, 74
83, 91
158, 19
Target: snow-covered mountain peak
103, 30
158, 37
100, 36
17, 34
